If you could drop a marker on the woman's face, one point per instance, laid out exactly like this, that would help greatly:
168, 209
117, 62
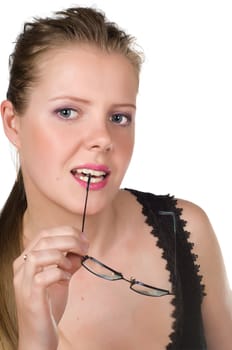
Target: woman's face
79, 120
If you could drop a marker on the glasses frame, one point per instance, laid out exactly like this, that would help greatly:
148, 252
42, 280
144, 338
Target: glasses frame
119, 276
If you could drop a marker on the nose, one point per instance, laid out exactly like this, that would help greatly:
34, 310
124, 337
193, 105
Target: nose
99, 138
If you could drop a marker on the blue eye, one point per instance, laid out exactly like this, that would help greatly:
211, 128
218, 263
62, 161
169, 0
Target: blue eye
67, 113
121, 119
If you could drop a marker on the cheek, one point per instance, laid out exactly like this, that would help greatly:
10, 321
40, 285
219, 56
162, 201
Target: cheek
127, 144
40, 148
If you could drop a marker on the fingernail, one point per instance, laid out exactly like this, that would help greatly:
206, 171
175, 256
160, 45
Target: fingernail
84, 237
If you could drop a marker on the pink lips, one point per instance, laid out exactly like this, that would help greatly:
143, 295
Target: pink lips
97, 167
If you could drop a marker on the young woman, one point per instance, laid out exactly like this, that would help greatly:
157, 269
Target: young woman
84, 264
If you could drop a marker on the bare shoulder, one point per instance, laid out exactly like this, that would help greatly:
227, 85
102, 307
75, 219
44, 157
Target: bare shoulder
193, 211
217, 304
205, 241
198, 224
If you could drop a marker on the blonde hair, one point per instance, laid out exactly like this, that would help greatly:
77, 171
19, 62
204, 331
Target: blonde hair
71, 26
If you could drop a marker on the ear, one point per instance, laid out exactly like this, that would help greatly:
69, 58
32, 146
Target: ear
11, 123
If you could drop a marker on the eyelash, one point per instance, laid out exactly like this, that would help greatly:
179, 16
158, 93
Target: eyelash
67, 109
123, 115
126, 118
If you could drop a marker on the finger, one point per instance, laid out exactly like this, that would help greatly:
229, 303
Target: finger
58, 231
75, 261
64, 243
40, 260
50, 276
37, 286
37, 261
45, 258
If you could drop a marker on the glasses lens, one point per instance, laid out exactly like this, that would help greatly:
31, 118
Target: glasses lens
100, 269
147, 290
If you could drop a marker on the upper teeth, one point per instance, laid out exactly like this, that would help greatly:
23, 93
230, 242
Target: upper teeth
91, 172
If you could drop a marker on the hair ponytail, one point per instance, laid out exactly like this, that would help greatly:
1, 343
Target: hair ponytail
10, 248
73, 26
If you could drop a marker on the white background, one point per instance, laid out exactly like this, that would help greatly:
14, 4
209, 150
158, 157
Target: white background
183, 144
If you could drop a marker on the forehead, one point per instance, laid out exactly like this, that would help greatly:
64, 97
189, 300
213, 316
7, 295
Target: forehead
86, 68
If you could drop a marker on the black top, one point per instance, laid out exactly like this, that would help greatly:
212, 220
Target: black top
164, 217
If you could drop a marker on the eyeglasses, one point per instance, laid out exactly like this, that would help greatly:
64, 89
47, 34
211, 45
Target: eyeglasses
101, 270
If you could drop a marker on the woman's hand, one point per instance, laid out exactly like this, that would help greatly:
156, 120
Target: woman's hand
41, 280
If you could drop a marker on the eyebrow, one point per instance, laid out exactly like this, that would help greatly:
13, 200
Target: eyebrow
82, 100
64, 97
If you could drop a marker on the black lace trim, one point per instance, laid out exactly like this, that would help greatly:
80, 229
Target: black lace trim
164, 217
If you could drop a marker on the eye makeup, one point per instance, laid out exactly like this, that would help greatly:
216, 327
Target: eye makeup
121, 118
66, 113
